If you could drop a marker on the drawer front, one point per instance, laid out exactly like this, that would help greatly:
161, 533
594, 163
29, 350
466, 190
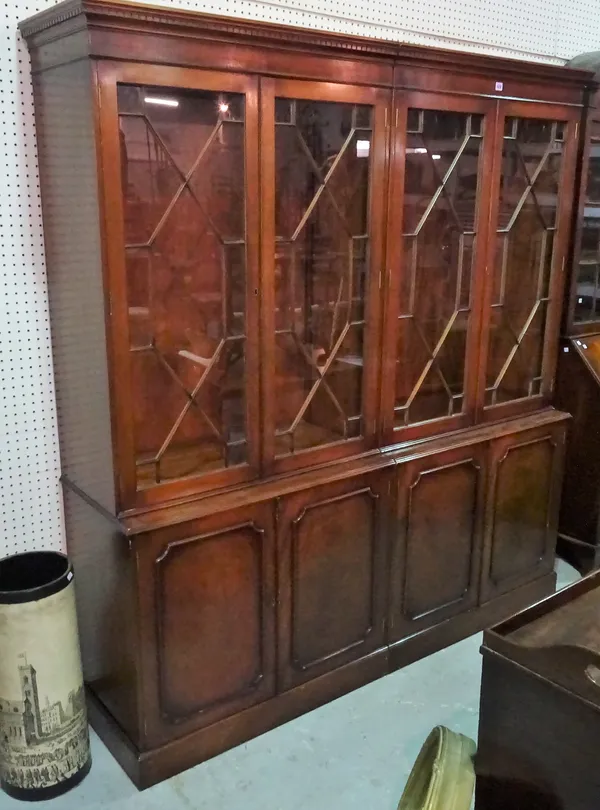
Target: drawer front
332, 548
437, 539
207, 619
522, 509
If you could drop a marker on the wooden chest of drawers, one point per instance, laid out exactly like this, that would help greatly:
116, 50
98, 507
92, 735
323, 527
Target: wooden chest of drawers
539, 728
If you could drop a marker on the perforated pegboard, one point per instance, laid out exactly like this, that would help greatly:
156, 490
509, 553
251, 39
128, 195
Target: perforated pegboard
30, 504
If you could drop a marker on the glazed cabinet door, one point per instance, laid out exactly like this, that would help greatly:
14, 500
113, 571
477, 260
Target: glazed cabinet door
332, 548
533, 190
323, 176
584, 305
207, 612
180, 178
522, 509
437, 226
436, 539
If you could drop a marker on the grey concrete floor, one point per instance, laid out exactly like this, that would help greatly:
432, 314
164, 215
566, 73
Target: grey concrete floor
355, 753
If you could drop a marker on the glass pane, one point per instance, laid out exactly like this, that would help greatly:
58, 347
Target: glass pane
322, 165
587, 293
182, 161
528, 207
439, 225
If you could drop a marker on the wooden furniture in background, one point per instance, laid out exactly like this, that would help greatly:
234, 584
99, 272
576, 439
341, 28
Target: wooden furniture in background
578, 374
539, 721
305, 294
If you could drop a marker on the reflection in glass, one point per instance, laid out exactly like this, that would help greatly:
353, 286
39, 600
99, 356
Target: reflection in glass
182, 163
322, 162
587, 293
439, 223
528, 206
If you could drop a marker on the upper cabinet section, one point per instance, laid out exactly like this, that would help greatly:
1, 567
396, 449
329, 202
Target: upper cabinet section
309, 246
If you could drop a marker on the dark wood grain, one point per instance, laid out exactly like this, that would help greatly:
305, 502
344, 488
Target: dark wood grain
521, 520
147, 767
578, 392
438, 540
65, 122
535, 743
105, 589
207, 592
539, 715
209, 588
577, 388
332, 551
453, 629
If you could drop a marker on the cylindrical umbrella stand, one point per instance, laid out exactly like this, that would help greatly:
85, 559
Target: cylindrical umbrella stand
44, 742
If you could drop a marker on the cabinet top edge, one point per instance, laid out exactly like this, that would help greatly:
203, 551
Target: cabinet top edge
123, 14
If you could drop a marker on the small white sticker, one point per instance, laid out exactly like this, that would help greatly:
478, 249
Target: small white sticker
499, 87
69, 576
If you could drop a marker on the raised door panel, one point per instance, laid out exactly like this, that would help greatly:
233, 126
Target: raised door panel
436, 239
533, 194
332, 551
522, 510
323, 160
437, 545
180, 169
213, 616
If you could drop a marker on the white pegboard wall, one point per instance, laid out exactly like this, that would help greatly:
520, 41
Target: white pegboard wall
30, 504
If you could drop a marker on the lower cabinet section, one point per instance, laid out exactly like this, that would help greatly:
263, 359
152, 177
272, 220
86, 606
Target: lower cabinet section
257, 606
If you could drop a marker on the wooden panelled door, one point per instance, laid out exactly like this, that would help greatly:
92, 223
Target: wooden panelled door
521, 521
180, 167
533, 180
323, 175
436, 539
208, 619
442, 150
332, 552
